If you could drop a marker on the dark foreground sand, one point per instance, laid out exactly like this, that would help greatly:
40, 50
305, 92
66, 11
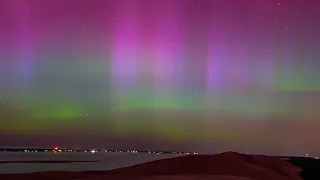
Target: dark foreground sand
225, 166
44, 162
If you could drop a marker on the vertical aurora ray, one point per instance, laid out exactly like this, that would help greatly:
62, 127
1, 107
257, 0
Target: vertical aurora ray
197, 39
285, 68
167, 54
215, 68
125, 50
217, 64
264, 73
23, 47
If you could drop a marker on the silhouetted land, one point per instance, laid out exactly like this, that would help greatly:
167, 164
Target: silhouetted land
310, 167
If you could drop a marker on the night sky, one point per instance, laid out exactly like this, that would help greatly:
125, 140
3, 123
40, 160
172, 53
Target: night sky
188, 75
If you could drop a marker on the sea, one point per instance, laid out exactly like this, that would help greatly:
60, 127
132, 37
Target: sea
28, 162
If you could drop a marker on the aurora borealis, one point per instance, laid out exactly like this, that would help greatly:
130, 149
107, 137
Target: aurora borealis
202, 75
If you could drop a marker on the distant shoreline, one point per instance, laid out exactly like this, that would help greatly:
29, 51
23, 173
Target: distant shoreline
123, 151
89, 150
